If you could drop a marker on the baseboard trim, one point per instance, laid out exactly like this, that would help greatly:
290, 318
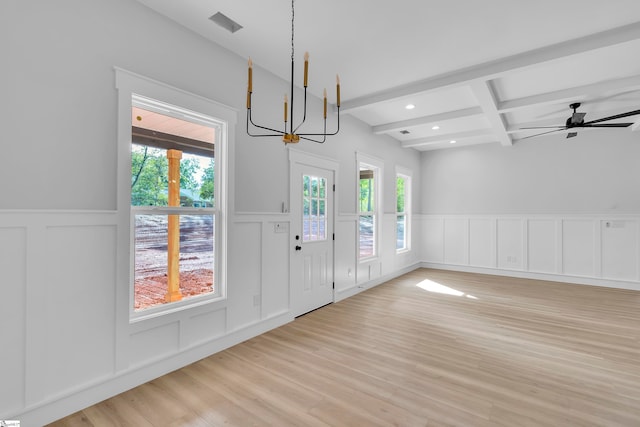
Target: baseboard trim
360, 287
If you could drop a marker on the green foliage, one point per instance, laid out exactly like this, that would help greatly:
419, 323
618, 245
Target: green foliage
149, 176
149, 171
400, 192
207, 183
188, 168
366, 195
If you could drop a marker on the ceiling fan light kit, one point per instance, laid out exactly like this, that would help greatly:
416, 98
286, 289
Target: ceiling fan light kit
290, 134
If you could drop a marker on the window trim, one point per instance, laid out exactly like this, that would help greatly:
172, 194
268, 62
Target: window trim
408, 176
192, 107
377, 165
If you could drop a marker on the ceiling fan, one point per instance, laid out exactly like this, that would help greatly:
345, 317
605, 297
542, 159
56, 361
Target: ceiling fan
577, 121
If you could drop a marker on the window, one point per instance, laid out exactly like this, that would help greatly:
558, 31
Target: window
403, 211
174, 148
172, 203
368, 206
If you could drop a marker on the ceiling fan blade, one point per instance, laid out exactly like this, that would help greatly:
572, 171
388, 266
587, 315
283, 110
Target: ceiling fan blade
572, 134
544, 127
617, 116
607, 125
543, 133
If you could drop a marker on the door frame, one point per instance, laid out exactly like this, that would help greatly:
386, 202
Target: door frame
297, 157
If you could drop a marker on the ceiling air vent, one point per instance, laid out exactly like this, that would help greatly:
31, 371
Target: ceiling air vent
225, 22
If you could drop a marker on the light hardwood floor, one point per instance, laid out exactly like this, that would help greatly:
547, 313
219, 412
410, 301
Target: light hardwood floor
493, 351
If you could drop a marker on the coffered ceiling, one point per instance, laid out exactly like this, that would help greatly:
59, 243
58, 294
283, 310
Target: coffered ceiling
476, 71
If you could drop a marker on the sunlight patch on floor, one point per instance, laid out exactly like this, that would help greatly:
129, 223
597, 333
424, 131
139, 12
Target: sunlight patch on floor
431, 286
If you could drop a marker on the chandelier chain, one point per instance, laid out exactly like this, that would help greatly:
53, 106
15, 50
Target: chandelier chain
292, 18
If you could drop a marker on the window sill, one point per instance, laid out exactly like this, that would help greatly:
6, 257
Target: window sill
167, 310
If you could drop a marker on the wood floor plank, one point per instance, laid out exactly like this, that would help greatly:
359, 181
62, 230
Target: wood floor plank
429, 348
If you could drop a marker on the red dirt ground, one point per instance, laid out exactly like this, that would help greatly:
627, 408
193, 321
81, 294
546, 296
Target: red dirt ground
150, 290
196, 258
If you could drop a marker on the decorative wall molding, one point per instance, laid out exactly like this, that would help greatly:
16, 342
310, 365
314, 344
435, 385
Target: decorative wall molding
591, 249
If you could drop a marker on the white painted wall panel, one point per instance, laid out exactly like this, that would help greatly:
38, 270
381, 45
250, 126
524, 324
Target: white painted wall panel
13, 267
345, 251
604, 251
539, 176
433, 240
154, 344
541, 240
387, 243
275, 270
456, 241
619, 249
482, 242
245, 273
510, 244
79, 318
578, 247
203, 327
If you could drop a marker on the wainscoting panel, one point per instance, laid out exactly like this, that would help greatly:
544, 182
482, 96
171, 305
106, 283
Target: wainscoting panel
13, 267
345, 251
433, 242
619, 249
587, 249
578, 247
245, 241
275, 269
482, 242
80, 310
541, 246
456, 238
510, 244
155, 343
203, 327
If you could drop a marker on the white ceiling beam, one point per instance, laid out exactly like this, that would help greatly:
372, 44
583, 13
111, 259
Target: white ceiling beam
425, 120
493, 69
487, 100
571, 94
458, 136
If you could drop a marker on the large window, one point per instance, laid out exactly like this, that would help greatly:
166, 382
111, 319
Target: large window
368, 206
174, 188
403, 210
173, 203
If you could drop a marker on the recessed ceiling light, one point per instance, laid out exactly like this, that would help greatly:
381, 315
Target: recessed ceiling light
436, 127
410, 106
453, 141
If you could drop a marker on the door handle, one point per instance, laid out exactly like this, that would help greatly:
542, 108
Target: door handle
298, 247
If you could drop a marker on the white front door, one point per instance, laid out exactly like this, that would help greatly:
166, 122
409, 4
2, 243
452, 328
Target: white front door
312, 237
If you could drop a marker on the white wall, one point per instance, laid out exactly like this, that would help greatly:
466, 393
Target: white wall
595, 172
68, 343
558, 209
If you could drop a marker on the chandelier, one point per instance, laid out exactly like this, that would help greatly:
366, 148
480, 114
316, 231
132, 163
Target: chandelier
289, 133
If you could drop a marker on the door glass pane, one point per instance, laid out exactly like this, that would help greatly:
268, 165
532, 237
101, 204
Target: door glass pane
314, 220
